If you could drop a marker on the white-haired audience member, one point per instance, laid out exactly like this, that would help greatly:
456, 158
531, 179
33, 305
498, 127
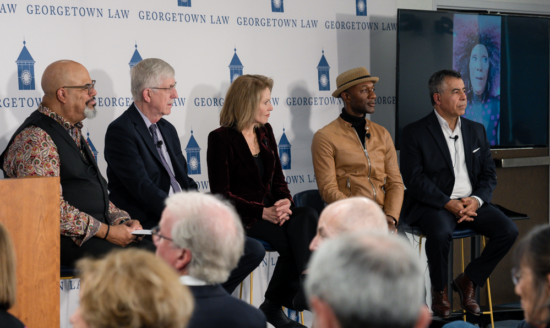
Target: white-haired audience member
202, 238
366, 280
347, 215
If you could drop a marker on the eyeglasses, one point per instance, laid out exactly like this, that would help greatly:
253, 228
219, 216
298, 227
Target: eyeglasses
89, 87
169, 88
155, 232
516, 276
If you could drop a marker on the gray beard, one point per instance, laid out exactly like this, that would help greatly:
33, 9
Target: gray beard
90, 113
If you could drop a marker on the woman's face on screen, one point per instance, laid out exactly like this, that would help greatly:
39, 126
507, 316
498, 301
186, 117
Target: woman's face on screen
479, 68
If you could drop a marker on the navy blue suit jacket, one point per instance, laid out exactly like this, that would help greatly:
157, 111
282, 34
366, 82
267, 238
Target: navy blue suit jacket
427, 168
215, 308
138, 182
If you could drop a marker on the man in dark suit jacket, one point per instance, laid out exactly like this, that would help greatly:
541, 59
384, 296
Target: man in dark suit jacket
450, 177
205, 259
145, 159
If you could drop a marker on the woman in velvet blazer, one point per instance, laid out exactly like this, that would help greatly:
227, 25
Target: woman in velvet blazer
244, 167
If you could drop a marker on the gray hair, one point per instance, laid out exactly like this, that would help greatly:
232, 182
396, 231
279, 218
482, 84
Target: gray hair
211, 229
437, 84
368, 280
150, 72
356, 213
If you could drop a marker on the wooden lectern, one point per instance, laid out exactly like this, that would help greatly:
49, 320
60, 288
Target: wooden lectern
29, 208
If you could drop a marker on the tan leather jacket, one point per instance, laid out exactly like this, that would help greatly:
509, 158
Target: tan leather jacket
344, 169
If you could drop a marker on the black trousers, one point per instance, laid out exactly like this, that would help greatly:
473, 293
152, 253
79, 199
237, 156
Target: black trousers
254, 253
291, 241
490, 222
93, 247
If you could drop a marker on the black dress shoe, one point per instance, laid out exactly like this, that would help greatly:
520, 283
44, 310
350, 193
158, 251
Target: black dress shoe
300, 301
275, 316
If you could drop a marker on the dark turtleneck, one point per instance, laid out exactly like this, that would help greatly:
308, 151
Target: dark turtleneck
358, 123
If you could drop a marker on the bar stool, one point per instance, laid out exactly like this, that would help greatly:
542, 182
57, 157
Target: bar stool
457, 234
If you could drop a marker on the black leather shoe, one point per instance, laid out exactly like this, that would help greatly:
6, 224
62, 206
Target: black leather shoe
300, 302
275, 316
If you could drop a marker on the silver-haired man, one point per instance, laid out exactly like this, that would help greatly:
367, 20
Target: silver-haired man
372, 281
145, 160
202, 238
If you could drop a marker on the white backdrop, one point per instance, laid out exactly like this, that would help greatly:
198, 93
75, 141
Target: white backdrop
278, 38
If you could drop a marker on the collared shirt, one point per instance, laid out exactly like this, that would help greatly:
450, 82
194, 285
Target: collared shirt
191, 281
462, 187
162, 147
33, 153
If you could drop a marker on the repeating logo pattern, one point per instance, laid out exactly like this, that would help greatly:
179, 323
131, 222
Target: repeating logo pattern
361, 7
193, 156
184, 3
277, 6
235, 67
25, 69
323, 74
136, 58
284, 152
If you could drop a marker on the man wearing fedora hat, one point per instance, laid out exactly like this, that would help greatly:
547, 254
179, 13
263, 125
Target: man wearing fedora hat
353, 156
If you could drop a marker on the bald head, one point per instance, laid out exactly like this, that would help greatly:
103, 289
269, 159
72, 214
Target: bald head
61, 73
352, 214
63, 84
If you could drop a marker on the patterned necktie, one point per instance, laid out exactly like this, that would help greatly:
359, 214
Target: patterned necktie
173, 182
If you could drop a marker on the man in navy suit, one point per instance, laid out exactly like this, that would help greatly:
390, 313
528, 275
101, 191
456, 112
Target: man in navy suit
450, 177
145, 160
202, 237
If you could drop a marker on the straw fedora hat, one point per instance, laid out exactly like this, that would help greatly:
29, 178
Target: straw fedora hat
352, 77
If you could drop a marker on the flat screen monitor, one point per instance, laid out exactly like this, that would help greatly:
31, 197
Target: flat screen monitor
503, 60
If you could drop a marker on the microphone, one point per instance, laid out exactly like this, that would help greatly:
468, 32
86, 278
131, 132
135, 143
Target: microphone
368, 135
455, 138
159, 143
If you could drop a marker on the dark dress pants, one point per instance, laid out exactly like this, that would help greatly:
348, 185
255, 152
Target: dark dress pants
439, 225
291, 241
93, 247
254, 253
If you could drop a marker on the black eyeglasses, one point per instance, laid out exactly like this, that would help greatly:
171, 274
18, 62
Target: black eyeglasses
155, 232
169, 88
89, 87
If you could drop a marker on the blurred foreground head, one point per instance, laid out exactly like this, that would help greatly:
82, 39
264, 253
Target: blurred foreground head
367, 280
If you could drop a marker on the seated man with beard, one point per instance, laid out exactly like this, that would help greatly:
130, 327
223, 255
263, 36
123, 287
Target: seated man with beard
50, 144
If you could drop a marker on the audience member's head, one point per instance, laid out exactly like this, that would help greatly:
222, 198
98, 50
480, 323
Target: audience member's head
7, 270
69, 91
531, 275
200, 236
153, 87
131, 288
367, 280
347, 215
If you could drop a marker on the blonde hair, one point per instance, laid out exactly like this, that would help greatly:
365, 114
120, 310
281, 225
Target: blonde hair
7, 270
132, 288
242, 100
